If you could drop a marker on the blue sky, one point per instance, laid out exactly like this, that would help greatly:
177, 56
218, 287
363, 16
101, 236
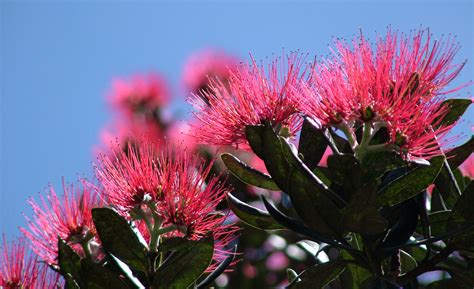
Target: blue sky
57, 60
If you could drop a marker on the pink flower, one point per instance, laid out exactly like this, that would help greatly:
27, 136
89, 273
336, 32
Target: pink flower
140, 96
467, 168
190, 197
399, 84
206, 66
251, 97
169, 184
68, 217
19, 268
130, 176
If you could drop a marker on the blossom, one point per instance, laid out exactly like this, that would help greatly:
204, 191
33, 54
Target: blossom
69, 217
130, 175
168, 188
20, 268
206, 66
251, 97
190, 197
399, 84
140, 96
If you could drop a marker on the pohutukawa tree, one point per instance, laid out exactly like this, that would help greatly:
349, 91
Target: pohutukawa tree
391, 203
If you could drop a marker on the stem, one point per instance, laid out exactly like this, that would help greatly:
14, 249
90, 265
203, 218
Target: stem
351, 138
86, 249
379, 148
361, 150
157, 232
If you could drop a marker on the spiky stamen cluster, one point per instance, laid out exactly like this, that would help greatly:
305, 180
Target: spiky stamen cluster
20, 269
250, 97
68, 217
400, 85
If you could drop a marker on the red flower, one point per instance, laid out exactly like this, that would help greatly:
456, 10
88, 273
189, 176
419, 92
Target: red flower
400, 84
169, 188
190, 198
206, 66
130, 176
68, 217
251, 96
140, 96
19, 268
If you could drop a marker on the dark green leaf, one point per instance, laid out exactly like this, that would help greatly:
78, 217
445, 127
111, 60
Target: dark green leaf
447, 185
98, 277
462, 216
459, 154
69, 263
298, 227
319, 275
254, 137
375, 165
119, 239
218, 271
251, 215
411, 183
407, 262
247, 174
457, 107
186, 266
362, 215
312, 144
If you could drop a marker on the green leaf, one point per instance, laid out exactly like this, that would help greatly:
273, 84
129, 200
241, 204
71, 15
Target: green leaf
375, 165
98, 277
119, 239
248, 174
458, 155
462, 216
362, 215
254, 137
407, 262
253, 216
313, 143
411, 183
185, 266
355, 275
319, 275
457, 107
69, 263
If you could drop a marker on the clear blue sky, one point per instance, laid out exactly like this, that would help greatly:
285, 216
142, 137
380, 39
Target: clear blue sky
57, 59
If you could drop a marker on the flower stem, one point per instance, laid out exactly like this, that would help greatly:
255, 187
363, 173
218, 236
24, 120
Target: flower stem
351, 138
157, 232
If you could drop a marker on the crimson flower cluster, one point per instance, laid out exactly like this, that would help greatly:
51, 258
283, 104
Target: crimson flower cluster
398, 84
251, 96
167, 191
19, 268
69, 217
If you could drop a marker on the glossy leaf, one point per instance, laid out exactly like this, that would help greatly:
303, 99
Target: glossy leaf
458, 155
448, 284
457, 107
218, 271
313, 143
185, 266
407, 262
319, 275
411, 183
98, 277
69, 263
254, 137
119, 239
251, 215
248, 174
